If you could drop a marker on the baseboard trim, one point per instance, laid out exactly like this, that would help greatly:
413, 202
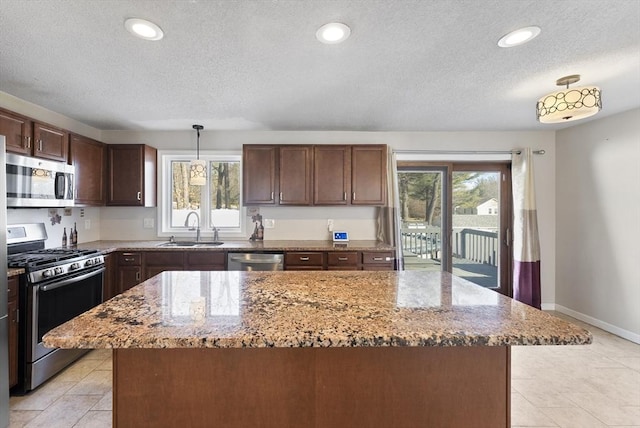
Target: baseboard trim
625, 334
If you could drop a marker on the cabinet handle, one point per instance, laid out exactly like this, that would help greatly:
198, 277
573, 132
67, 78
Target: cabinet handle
129, 259
139, 196
343, 259
280, 196
377, 259
138, 276
272, 196
40, 144
354, 196
304, 259
28, 140
344, 196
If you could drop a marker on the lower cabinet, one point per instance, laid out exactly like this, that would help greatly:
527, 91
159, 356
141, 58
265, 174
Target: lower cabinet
339, 260
378, 260
160, 261
298, 260
109, 286
205, 260
342, 260
13, 330
129, 270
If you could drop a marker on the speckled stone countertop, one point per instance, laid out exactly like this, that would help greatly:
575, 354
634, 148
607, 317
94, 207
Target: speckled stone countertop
285, 245
14, 272
311, 309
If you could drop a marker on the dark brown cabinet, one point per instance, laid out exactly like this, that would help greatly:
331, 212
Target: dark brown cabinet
378, 260
296, 169
129, 270
131, 175
342, 260
109, 286
89, 158
160, 261
13, 330
315, 175
204, 260
368, 175
17, 131
299, 260
259, 175
50, 142
332, 175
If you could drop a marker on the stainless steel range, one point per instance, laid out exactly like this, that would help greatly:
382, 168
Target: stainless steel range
58, 284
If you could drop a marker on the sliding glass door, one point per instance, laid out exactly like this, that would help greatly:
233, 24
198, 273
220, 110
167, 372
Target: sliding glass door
456, 217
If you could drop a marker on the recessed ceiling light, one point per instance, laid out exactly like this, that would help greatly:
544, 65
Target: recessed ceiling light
333, 33
518, 37
144, 29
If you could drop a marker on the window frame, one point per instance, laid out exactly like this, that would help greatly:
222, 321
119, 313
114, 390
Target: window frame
166, 157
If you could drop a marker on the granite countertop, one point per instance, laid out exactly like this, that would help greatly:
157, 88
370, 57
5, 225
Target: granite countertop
284, 245
14, 272
311, 309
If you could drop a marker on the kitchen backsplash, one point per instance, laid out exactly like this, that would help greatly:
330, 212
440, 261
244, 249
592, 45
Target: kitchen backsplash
128, 223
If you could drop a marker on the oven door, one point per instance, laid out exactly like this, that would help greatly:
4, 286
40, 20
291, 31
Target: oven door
58, 301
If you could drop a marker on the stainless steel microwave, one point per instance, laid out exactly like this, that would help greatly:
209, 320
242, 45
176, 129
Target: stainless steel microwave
33, 182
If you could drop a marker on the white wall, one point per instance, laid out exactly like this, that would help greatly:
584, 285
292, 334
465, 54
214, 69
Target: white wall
598, 223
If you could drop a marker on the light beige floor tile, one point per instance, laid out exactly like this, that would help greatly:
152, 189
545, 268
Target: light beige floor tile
95, 419
524, 414
78, 370
630, 362
99, 354
606, 409
65, 412
42, 397
572, 417
19, 418
105, 365
98, 382
105, 403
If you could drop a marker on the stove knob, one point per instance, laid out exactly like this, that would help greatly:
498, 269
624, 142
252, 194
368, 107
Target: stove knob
47, 273
58, 271
74, 266
97, 261
88, 262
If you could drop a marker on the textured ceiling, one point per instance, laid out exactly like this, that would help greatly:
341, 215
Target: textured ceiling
409, 65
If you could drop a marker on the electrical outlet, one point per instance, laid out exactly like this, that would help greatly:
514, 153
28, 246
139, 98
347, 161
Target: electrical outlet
148, 223
87, 224
330, 225
269, 223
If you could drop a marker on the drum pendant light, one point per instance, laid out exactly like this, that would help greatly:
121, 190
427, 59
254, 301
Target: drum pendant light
198, 168
569, 104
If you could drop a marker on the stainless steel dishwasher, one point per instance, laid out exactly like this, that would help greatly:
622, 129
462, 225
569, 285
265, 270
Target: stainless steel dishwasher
255, 261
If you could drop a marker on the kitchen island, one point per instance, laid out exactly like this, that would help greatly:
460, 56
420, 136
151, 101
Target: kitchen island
312, 349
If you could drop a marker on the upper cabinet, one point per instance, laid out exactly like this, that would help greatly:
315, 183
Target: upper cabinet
89, 158
17, 131
332, 175
260, 169
368, 175
27, 137
314, 175
296, 168
131, 175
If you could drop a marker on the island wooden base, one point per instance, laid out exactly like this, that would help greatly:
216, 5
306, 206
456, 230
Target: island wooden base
312, 387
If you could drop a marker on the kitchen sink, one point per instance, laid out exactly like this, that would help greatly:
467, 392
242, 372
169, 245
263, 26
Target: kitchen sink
191, 244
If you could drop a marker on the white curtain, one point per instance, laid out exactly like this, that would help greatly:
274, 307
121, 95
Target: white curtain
526, 244
388, 227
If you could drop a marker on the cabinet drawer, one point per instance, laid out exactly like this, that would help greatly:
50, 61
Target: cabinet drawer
377, 257
204, 258
163, 258
13, 287
304, 259
342, 258
129, 259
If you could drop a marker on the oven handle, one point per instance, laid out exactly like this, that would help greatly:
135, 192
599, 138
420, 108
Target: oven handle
70, 280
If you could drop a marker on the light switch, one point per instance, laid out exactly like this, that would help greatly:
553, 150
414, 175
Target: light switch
148, 223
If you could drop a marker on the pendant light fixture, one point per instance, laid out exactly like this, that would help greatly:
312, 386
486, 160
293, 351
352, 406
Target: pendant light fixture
198, 168
569, 104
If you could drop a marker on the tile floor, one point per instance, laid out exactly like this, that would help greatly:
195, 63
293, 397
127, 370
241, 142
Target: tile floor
587, 386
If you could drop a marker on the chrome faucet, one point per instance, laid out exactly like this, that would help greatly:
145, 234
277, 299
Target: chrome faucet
216, 238
197, 229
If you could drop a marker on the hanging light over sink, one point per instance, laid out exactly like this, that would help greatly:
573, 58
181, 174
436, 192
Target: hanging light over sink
198, 168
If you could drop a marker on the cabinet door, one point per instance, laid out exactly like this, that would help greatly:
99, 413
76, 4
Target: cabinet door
368, 175
332, 175
17, 131
128, 276
109, 288
50, 142
205, 260
13, 342
259, 172
296, 164
298, 260
378, 260
89, 158
131, 175
160, 261
342, 260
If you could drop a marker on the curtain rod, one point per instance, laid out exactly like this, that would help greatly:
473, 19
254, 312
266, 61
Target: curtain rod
464, 152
